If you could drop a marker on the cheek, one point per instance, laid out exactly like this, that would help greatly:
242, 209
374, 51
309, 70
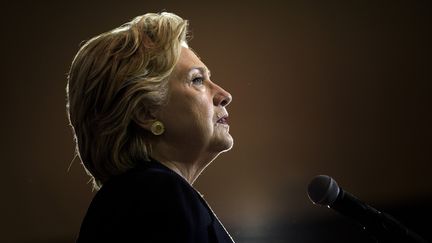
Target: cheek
203, 112
192, 114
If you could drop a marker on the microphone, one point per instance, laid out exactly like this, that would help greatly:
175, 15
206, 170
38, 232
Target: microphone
324, 190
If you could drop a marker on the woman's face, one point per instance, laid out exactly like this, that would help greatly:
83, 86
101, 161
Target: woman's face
195, 116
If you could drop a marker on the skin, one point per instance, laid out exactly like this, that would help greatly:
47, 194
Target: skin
193, 136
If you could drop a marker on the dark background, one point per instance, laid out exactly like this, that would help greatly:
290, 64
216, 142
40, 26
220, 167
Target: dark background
320, 87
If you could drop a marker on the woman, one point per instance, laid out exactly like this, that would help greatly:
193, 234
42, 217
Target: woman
147, 120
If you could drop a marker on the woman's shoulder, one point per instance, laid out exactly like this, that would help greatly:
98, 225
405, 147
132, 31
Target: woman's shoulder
146, 201
147, 177
149, 189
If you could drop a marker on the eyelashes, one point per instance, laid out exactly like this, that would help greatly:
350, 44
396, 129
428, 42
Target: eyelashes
197, 81
198, 76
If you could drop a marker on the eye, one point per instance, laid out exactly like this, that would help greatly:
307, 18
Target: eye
198, 81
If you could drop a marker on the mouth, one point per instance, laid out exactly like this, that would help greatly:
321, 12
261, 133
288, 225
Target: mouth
223, 120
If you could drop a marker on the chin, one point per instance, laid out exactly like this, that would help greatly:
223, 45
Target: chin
229, 145
223, 144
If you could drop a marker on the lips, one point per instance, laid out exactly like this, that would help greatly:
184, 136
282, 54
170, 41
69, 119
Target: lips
223, 120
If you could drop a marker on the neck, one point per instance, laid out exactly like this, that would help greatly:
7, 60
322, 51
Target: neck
189, 167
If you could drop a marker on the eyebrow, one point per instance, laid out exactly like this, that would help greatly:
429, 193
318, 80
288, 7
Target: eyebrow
203, 70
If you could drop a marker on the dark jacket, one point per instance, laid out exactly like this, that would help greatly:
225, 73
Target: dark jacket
150, 203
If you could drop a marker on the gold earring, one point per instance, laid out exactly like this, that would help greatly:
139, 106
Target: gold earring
157, 128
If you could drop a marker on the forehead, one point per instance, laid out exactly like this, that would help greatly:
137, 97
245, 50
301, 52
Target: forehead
188, 60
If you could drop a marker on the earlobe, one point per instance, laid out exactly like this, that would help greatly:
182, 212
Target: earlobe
150, 124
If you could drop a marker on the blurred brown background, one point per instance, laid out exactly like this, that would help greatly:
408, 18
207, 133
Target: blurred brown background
320, 87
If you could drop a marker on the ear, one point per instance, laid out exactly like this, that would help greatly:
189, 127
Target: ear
144, 119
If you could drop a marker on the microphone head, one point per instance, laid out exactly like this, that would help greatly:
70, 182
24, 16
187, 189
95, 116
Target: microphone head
323, 190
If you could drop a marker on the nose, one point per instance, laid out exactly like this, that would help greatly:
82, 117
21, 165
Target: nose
221, 97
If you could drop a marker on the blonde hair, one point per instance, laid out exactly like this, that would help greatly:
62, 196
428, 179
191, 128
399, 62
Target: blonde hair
114, 78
